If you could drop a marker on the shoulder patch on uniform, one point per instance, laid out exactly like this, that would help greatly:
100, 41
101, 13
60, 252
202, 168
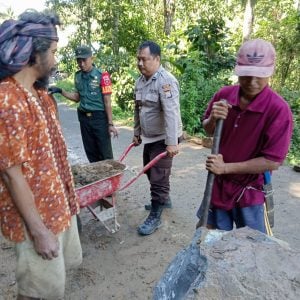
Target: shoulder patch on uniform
167, 90
166, 87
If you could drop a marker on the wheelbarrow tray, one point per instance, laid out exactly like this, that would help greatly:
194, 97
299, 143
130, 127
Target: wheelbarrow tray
101, 188
109, 186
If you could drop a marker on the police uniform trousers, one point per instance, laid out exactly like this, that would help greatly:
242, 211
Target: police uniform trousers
159, 174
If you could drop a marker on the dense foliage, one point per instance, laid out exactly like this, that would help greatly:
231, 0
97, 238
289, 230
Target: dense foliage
199, 41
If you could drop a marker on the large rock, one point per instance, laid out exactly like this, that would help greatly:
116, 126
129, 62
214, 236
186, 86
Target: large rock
239, 264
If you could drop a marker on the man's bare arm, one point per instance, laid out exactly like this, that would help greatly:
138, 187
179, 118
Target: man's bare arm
74, 96
45, 242
108, 110
216, 165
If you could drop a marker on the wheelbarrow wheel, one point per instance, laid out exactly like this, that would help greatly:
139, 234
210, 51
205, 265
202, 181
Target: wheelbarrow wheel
79, 224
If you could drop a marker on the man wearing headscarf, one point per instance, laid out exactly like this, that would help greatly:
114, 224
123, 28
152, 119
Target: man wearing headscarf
38, 204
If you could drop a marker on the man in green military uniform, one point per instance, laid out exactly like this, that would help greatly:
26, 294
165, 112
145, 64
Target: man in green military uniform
93, 92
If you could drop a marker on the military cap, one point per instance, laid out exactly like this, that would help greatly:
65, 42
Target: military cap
83, 52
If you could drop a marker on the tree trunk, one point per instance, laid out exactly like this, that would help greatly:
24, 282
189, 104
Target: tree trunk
115, 30
286, 69
248, 19
169, 11
88, 23
86, 17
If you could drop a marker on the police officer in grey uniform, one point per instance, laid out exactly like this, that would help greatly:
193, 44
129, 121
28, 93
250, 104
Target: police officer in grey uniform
157, 123
93, 92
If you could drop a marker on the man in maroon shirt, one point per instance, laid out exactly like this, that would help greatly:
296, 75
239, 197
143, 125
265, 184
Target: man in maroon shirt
255, 138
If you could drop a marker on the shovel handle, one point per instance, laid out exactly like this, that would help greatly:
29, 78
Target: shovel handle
204, 207
217, 137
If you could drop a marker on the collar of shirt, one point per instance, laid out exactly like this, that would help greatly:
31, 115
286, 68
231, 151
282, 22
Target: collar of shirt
154, 76
258, 104
86, 75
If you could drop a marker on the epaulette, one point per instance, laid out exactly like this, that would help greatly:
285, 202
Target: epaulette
99, 70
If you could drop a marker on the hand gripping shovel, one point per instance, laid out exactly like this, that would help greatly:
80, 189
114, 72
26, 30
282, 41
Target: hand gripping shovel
188, 270
204, 207
189, 265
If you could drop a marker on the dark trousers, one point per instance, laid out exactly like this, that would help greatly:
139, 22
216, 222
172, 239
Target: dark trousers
251, 216
159, 174
95, 136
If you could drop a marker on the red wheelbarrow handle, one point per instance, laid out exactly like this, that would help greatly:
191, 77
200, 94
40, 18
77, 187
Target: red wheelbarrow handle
126, 152
145, 169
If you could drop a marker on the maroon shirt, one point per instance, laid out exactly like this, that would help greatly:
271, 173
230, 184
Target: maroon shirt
264, 129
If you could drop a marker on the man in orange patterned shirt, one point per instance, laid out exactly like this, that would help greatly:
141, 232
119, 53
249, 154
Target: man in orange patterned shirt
38, 204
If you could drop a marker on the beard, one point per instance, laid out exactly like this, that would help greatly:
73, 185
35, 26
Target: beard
43, 81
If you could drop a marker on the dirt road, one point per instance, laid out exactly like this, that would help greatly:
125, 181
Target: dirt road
125, 266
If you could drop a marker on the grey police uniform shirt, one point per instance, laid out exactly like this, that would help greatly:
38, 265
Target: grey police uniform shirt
157, 109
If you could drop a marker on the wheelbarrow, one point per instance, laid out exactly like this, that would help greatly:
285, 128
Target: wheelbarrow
100, 191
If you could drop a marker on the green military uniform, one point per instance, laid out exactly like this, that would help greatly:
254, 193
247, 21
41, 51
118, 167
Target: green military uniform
88, 87
92, 116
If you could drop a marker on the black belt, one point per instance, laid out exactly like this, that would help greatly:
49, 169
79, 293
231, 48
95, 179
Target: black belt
91, 113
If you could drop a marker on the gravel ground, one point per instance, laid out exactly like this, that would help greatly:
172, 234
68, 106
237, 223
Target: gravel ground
125, 265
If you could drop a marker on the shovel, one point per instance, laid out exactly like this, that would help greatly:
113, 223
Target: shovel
189, 264
205, 204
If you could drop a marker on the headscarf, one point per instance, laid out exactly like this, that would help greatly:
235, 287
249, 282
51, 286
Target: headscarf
16, 43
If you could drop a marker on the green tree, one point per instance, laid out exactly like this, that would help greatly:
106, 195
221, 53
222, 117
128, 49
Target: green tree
199, 41
7, 14
169, 12
279, 22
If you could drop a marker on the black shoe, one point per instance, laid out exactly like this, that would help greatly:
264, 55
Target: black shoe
152, 223
296, 168
167, 204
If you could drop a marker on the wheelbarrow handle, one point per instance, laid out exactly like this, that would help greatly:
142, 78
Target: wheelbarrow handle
124, 154
145, 169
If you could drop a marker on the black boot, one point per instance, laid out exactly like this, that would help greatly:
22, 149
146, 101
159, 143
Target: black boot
152, 222
167, 204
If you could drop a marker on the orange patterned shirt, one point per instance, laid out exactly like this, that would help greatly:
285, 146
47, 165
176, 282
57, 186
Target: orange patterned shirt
30, 134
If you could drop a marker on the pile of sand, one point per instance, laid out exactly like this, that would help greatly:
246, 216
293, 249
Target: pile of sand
88, 173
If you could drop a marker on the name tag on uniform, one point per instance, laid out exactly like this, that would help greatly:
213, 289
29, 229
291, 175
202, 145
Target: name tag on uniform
94, 83
138, 96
